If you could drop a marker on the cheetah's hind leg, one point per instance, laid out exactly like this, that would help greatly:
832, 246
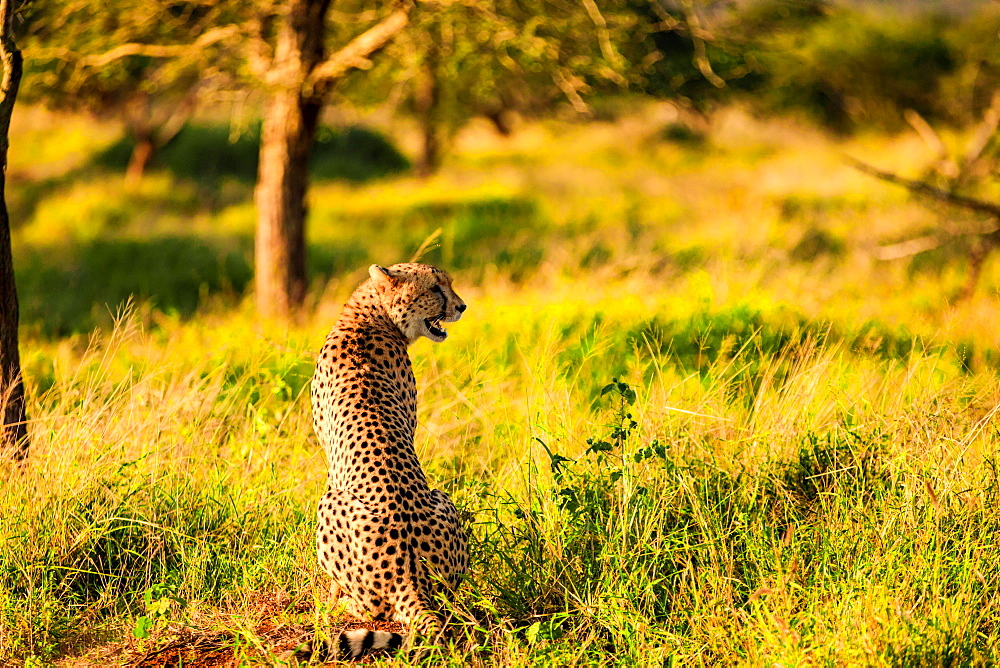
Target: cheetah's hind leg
344, 604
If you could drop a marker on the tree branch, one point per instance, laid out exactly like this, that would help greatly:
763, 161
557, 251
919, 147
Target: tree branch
570, 85
10, 56
909, 248
667, 22
698, 36
926, 132
260, 58
963, 201
207, 38
603, 35
945, 165
357, 53
984, 134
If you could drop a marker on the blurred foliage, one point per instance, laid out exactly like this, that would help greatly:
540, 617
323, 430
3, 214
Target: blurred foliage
138, 61
861, 67
496, 59
90, 245
356, 154
94, 247
849, 67
70, 61
666, 56
852, 70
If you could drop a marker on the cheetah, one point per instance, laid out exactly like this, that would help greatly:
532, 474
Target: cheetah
386, 538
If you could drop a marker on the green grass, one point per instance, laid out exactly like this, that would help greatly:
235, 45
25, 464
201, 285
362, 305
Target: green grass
688, 416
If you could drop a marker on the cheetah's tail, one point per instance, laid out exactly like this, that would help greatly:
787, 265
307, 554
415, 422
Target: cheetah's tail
350, 644
356, 642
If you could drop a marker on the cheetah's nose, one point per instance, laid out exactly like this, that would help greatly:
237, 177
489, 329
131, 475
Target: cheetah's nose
461, 308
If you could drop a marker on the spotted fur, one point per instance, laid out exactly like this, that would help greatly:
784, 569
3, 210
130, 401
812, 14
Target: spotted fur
386, 538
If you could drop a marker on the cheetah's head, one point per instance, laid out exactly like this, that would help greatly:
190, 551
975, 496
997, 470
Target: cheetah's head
418, 298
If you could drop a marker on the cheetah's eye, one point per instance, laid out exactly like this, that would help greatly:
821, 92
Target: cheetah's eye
437, 288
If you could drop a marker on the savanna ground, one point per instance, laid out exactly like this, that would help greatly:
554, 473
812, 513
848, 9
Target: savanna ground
688, 414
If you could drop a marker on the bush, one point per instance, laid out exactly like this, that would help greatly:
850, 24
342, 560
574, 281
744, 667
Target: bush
855, 70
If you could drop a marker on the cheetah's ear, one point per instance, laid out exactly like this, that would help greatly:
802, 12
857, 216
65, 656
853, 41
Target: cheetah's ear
381, 276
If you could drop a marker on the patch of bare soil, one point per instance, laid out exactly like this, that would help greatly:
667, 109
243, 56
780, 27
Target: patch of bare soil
272, 642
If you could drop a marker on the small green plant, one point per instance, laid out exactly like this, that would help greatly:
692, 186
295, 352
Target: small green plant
586, 487
159, 600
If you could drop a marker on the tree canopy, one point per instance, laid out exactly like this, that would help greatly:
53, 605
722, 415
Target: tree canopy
147, 63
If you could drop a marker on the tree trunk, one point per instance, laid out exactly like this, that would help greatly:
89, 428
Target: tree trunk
13, 430
427, 100
283, 177
142, 154
501, 119
14, 434
290, 120
298, 81
139, 127
981, 250
151, 129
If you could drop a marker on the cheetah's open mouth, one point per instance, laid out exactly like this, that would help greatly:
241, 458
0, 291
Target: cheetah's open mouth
434, 327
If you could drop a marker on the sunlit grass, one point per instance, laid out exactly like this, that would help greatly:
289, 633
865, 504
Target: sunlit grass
810, 476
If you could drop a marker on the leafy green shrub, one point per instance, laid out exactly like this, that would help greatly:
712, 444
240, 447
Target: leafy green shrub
601, 532
855, 69
199, 152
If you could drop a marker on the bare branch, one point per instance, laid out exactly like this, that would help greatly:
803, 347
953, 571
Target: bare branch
603, 35
667, 22
357, 53
909, 248
945, 165
570, 85
258, 53
50, 53
926, 132
962, 201
698, 40
983, 134
208, 38
366, 16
